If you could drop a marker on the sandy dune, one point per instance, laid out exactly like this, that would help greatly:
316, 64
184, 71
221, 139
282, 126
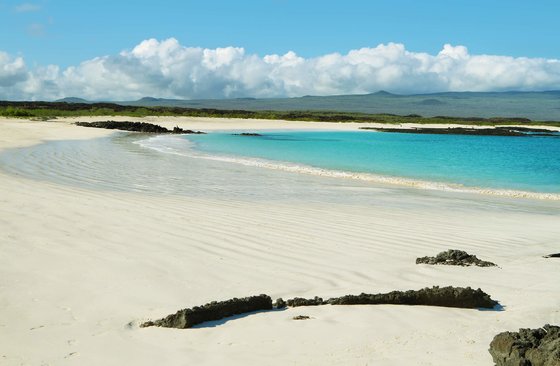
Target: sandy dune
80, 269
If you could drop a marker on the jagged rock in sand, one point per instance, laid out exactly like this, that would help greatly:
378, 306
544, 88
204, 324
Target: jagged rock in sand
280, 304
528, 347
187, 318
453, 257
135, 126
301, 317
299, 301
555, 255
456, 297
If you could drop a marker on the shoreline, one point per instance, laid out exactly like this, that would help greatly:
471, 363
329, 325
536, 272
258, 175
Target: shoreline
215, 123
376, 179
225, 125
81, 269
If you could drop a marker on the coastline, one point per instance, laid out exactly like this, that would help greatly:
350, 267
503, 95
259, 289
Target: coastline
372, 178
211, 124
222, 124
81, 269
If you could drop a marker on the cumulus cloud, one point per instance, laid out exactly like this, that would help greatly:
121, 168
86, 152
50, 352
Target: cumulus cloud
169, 70
12, 72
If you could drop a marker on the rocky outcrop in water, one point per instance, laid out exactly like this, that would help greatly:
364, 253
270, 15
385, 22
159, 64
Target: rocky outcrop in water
496, 131
456, 297
248, 134
528, 347
136, 127
453, 257
187, 318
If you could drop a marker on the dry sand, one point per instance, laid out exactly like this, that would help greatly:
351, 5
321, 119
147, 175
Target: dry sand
80, 269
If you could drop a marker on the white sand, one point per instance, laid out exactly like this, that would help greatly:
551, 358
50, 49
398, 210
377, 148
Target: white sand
80, 269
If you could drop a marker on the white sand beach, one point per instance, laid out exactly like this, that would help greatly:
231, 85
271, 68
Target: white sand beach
80, 269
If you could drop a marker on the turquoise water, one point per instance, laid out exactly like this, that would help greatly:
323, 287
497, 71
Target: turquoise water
497, 162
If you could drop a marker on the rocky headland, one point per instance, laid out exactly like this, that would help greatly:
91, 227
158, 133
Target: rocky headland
136, 127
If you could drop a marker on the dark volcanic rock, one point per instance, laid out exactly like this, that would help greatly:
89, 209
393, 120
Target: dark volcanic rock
280, 304
187, 318
299, 301
301, 317
528, 347
555, 255
135, 126
453, 257
247, 134
497, 131
455, 297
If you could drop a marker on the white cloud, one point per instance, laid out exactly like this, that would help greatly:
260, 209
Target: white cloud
168, 69
12, 73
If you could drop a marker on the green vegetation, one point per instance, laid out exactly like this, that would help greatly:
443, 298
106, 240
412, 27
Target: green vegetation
49, 110
15, 112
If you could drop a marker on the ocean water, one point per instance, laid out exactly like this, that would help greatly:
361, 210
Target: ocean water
491, 163
360, 167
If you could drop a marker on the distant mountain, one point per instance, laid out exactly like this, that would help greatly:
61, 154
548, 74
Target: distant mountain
383, 93
154, 102
72, 100
534, 105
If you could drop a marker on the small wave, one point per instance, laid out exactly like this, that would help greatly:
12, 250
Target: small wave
180, 146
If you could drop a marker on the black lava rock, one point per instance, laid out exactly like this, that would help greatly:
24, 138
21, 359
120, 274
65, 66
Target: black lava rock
280, 304
299, 301
136, 127
496, 131
248, 134
455, 297
528, 347
453, 257
187, 318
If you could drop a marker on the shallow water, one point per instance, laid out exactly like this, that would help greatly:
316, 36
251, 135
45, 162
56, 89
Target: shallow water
172, 165
120, 163
495, 162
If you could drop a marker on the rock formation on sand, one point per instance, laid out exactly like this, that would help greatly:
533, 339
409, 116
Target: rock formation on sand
298, 301
528, 347
555, 255
187, 318
135, 126
453, 257
458, 297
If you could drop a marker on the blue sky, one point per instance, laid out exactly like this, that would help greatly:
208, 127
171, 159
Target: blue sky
66, 32
37, 33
